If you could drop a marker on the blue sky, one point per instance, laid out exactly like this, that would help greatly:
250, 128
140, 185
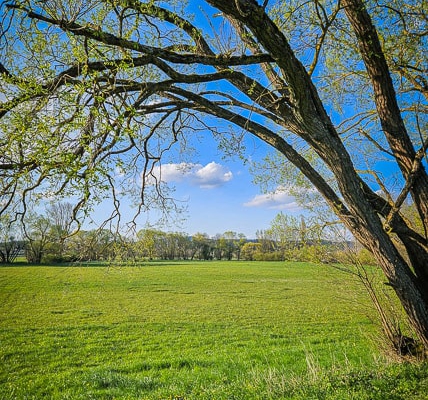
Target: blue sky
218, 193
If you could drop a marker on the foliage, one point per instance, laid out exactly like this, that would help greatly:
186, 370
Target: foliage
37, 233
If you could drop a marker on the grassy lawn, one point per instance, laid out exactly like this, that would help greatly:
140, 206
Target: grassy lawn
212, 330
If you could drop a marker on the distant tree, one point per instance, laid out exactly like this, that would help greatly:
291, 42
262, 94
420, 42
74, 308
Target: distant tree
221, 247
202, 246
230, 244
146, 243
249, 251
36, 232
267, 242
10, 246
242, 239
295, 232
93, 245
285, 231
154, 243
184, 246
61, 217
123, 249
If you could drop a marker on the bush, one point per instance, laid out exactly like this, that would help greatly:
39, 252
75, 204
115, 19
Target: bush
271, 256
365, 257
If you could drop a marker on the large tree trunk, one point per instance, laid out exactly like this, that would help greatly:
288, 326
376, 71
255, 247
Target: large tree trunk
411, 290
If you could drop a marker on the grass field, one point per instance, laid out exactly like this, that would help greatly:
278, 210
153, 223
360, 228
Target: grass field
212, 330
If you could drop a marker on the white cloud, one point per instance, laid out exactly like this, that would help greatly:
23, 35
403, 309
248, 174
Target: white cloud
209, 176
212, 175
278, 200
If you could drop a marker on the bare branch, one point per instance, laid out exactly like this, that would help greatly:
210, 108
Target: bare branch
325, 23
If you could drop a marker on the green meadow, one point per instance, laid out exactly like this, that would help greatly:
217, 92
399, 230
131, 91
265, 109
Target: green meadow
194, 330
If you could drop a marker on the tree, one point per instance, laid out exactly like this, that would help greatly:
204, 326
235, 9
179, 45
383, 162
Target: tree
230, 244
93, 245
36, 230
10, 247
184, 246
146, 242
91, 89
201, 246
249, 250
242, 240
266, 241
219, 247
286, 231
62, 218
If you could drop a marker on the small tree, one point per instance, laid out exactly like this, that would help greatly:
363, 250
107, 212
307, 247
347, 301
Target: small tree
36, 230
202, 246
249, 250
61, 216
266, 241
93, 245
10, 247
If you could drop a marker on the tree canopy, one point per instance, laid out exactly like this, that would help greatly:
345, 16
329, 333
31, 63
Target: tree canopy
95, 93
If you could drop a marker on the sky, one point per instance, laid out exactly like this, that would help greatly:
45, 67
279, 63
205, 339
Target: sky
221, 196
218, 195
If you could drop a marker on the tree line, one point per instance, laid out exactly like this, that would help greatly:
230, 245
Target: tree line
50, 238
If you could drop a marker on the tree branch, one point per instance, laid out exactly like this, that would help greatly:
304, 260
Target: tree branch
96, 33
278, 143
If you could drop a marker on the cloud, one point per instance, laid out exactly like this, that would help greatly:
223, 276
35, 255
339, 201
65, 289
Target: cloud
212, 175
208, 177
280, 199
